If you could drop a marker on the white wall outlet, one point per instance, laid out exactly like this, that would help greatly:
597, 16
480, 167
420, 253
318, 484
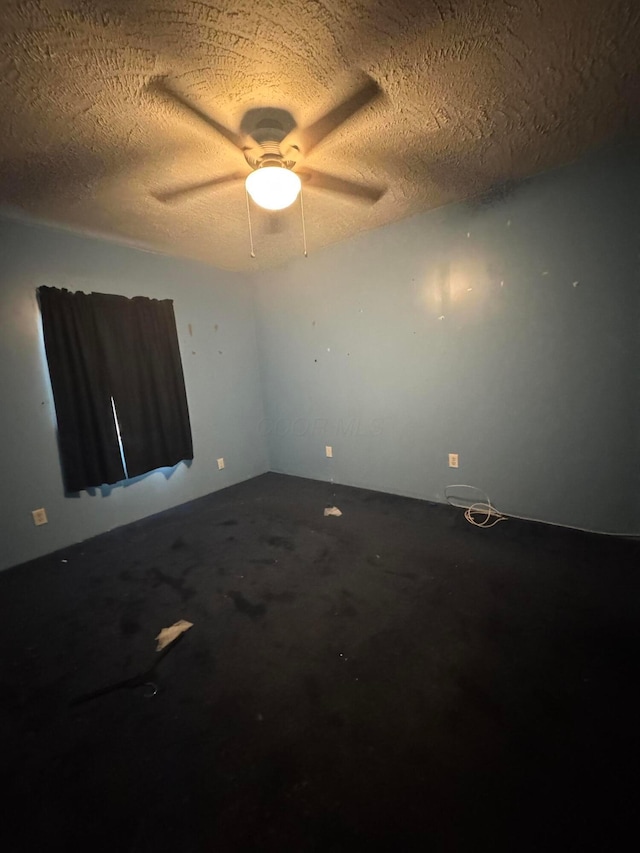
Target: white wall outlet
220, 463
39, 517
329, 451
453, 460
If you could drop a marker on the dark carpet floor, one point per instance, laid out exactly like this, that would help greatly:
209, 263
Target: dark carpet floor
391, 680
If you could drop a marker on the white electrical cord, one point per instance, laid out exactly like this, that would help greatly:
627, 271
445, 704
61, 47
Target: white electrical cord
478, 508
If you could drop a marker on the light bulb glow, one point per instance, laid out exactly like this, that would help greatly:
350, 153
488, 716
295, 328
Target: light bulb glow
273, 187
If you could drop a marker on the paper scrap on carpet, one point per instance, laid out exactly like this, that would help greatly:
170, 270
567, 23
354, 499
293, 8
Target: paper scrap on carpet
332, 510
168, 635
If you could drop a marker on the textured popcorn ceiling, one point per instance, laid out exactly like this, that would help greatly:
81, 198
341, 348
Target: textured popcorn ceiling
475, 94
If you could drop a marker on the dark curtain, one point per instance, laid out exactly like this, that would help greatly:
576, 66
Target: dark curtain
101, 346
87, 435
149, 390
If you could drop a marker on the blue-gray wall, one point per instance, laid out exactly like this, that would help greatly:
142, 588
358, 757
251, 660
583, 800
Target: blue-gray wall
504, 331
221, 373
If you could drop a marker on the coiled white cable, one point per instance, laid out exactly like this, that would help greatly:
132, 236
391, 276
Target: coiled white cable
477, 508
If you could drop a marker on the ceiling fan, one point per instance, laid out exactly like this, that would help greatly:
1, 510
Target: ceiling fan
274, 147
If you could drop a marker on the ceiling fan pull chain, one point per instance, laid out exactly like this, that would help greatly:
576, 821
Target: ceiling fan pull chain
253, 254
304, 232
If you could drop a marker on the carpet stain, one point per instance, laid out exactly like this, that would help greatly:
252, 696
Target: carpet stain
176, 584
253, 611
286, 597
281, 542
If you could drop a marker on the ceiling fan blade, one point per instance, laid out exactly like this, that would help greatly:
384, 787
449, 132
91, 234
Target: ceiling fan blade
322, 181
179, 193
307, 138
161, 87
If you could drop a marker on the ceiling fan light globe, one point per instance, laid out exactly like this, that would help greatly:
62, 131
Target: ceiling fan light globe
273, 187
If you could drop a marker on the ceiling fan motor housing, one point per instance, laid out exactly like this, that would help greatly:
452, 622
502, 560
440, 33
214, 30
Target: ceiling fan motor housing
268, 135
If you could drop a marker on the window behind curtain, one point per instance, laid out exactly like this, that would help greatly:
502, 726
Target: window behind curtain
102, 347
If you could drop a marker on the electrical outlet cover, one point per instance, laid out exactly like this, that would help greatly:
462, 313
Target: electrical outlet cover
329, 451
39, 517
453, 460
220, 463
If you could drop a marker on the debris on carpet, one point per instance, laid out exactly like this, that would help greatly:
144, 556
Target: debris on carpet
168, 635
332, 510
